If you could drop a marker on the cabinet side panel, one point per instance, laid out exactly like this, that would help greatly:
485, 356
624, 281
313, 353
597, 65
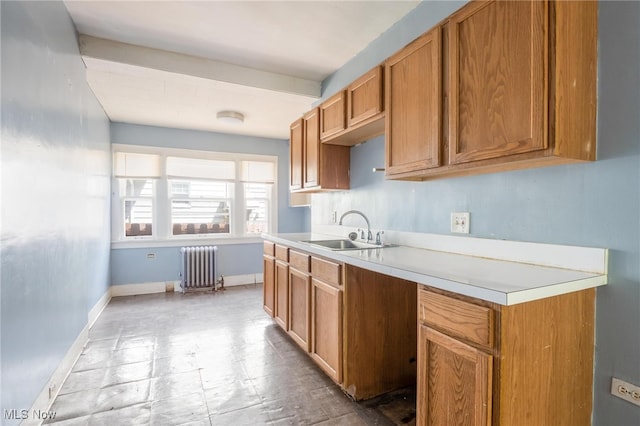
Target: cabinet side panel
576, 63
546, 368
380, 333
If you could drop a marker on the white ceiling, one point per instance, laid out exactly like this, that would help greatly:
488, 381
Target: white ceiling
177, 63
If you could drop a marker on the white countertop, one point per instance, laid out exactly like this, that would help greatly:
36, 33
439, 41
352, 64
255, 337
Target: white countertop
500, 281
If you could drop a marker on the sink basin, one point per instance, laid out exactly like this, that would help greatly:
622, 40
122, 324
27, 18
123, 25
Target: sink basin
342, 244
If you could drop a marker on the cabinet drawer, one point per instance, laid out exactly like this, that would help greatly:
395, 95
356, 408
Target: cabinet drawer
282, 253
471, 322
298, 260
326, 271
269, 248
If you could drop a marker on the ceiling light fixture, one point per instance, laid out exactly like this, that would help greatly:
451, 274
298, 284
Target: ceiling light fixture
232, 117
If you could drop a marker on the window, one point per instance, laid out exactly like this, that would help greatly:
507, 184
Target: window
200, 207
258, 178
138, 206
257, 197
179, 194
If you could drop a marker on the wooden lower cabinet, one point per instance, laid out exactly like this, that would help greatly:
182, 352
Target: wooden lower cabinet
326, 328
529, 364
357, 325
380, 333
269, 279
299, 307
454, 380
281, 313
269, 282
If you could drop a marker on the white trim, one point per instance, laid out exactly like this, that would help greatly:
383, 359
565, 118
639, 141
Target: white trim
97, 309
195, 241
233, 280
138, 289
43, 401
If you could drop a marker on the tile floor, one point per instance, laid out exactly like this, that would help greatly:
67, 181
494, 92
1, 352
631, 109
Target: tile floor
206, 359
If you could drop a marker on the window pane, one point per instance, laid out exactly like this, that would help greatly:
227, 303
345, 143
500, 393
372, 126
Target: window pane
200, 189
138, 217
257, 197
136, 187
199, 216
256, 216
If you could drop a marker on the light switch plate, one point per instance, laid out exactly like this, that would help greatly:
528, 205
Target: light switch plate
460, 222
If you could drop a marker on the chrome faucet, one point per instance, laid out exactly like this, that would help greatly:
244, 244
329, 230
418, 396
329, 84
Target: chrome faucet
369, 235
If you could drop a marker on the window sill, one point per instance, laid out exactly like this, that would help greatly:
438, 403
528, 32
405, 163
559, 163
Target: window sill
179, 242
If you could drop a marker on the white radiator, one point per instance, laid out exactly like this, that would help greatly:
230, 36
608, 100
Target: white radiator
198, 267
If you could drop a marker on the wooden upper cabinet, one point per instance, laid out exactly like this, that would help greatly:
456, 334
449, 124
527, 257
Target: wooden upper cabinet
315, 166
413, 87
364, 97
332, 116
356, 114
502, 85
311, 144
498, 80
295, 154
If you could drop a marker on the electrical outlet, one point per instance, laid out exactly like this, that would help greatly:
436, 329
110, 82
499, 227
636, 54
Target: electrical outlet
52, 391
334, 216
460, 222
625, 390
151, 255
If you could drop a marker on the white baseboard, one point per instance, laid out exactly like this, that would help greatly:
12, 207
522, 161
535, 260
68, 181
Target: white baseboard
51, 389
138, 289
97, 309
232, 280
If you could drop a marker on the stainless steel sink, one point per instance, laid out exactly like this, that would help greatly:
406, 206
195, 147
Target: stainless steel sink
342, 244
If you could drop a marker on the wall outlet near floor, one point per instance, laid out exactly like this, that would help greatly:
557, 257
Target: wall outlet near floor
460, 222
625, 390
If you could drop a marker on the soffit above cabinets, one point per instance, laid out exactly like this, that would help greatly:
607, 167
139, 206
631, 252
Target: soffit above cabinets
177, 63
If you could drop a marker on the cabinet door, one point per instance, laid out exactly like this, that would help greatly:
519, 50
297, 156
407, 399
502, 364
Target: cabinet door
326, 328
299, 307
295, 155
454, 381
413, 84
268, 286
498, 80
281, 314
311, 143
332, 116
364, 97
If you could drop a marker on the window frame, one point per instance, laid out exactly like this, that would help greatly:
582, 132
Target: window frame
162, 232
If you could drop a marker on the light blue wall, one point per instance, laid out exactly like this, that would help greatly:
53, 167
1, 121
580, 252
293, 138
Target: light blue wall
595, 204
131, 266
55, 197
